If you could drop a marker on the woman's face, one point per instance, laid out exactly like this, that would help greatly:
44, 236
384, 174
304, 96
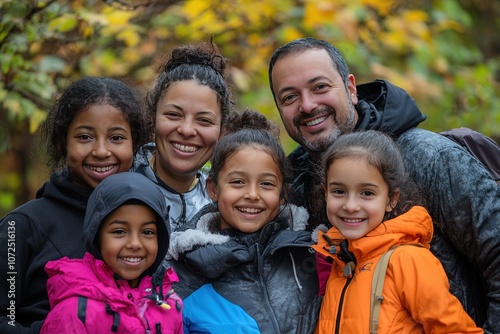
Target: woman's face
187, 127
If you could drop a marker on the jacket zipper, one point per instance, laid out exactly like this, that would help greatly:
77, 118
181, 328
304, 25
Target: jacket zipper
260, 269
341, 305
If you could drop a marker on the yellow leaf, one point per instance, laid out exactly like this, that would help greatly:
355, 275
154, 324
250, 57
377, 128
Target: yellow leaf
63, 23
131, 56
118, 17
88, 31
35, 47
449, 25
194, 8
129, 36
94, 18
318, 12
36, 119
415, 16
290, 33
395, 39
383, 7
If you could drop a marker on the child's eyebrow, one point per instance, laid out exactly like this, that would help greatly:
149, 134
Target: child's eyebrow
238, 173
117, 222
85, 127
117, 128
270, 175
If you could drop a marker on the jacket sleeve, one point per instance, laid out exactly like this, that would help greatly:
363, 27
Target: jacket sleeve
423, 289
17, 241
63, 318
464, 203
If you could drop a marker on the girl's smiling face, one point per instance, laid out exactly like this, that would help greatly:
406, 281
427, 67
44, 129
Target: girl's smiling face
357, 197
128, 241
99, 143
248, 197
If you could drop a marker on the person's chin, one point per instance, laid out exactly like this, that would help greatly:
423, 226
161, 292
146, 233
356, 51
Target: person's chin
319, 144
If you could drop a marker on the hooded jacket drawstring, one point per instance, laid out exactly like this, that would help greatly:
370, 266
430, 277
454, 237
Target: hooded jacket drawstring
157, 284
295, 271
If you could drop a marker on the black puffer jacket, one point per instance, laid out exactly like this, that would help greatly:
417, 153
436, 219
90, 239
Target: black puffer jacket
463, 199
269, 274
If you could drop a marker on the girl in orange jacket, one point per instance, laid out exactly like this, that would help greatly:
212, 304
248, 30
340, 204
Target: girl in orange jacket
367, 202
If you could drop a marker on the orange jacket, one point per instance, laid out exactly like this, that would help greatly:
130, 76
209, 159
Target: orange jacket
416, 290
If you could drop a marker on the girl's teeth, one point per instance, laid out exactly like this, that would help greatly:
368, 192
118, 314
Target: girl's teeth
250, 210
352, 220
101, 169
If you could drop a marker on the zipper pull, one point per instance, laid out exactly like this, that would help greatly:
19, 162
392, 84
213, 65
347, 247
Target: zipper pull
349, 268
165, 306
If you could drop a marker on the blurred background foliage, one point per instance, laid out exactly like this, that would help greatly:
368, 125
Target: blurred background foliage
445, 53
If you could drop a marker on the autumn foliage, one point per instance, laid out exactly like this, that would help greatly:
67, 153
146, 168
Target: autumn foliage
444, 53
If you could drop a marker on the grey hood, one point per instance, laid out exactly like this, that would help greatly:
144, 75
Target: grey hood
116, 190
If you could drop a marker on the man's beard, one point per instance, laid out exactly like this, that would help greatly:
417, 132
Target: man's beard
319, 145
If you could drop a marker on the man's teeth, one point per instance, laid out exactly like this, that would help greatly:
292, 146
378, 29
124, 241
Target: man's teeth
185, 148
316, 121
101, 169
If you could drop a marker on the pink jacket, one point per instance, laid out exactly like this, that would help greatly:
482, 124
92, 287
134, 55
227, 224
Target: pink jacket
109, 302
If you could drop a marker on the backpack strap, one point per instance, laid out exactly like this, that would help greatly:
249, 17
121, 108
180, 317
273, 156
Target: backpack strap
378, 286
482, 147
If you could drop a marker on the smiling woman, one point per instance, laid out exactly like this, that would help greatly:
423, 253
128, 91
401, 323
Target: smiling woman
187, 108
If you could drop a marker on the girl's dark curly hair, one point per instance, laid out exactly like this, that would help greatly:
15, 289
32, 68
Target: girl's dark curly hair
79, 96
201, 62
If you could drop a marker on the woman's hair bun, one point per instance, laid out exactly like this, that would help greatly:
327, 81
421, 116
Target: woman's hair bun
204, 54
